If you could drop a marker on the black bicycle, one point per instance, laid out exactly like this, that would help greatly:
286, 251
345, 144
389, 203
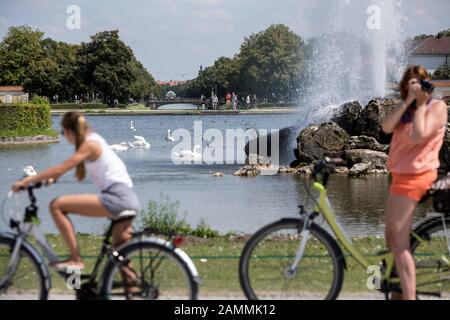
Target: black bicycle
146, 267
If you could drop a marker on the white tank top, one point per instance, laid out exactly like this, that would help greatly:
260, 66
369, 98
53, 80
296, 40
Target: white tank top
108, 168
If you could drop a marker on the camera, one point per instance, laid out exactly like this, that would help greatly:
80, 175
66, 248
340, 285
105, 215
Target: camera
427, 86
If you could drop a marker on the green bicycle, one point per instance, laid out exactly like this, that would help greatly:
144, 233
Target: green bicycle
298, 259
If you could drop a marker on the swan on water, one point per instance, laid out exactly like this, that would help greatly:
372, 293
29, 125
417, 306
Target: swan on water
169, 137
140, 142
123, 146
132, 128
188, 154
29, 171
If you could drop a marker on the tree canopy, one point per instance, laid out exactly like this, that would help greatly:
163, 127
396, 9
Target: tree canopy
269, 64
442, 73
105, 67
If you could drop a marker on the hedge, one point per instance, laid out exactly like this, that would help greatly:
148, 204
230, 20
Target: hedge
25, 116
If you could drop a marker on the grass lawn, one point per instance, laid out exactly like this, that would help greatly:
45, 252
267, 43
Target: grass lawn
217, 261
28, 133
139, 106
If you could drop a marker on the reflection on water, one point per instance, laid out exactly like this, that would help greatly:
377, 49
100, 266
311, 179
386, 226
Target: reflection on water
226, 204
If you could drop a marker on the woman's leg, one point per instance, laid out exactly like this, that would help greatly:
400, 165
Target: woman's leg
399, 217
85, 205
122, 232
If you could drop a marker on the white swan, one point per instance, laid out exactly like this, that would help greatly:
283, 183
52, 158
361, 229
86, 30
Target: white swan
123, 146
169, 137
29, 171
140, 142
132, 128
188, 154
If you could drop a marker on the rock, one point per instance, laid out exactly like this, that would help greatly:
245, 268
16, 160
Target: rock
218, 174
257, 165
297, 164
372, 117
259, 161
342, 170
347, 116
286, 145
247, 171
326, 140
365, 142
306, 170
378, 171
359, 169
287, 170
377, 160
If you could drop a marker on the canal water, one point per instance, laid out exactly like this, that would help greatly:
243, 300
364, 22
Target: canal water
226, 204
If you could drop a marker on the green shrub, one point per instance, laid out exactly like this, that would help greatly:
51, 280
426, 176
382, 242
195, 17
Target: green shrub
164, 218
75, 106
39, 100
25, 116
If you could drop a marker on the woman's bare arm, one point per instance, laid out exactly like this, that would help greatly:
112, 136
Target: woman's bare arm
427, 121
85, 151
394, 118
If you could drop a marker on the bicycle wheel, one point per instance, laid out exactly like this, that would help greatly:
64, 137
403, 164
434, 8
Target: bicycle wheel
27, 281
433, 274
158, 273
266, 260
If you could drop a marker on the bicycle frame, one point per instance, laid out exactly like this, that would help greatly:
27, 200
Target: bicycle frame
325, 208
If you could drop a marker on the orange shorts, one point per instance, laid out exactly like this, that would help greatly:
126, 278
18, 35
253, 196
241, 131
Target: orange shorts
412, 186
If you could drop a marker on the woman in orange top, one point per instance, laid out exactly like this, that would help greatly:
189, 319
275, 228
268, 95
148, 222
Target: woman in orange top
418, 127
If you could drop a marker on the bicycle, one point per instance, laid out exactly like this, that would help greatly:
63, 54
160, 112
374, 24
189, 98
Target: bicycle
146, 267
298, 259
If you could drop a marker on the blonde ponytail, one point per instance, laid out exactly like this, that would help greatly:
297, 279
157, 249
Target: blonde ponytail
77, 123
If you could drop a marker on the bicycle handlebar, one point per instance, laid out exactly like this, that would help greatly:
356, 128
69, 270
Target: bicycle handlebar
325, 167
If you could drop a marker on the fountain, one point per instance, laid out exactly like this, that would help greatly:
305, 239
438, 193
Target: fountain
351, 60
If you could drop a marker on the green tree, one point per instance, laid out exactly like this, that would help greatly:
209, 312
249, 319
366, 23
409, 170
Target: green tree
223, 76
20, 52
444, 33
442, 73
70, 82
421, 37
271, 62
106, 66
144, 84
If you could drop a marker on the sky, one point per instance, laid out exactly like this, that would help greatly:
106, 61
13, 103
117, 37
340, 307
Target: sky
173, 38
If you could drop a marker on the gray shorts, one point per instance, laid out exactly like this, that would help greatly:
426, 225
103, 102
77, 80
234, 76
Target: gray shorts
118, 198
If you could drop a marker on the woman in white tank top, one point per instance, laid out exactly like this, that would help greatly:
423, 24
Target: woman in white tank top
92, 157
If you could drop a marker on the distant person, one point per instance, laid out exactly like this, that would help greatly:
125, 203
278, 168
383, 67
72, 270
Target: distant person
228, 100
418, 127
234, 100
248, 102
203, 102
254, 100
215, 102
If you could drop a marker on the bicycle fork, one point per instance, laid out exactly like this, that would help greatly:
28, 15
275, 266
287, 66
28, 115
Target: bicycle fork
304, 234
